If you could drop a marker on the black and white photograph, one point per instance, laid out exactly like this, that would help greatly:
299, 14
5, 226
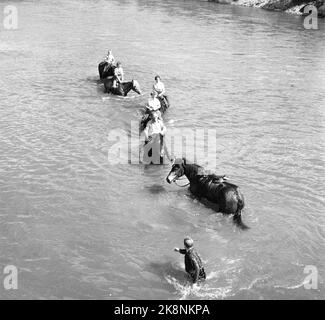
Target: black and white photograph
162, 150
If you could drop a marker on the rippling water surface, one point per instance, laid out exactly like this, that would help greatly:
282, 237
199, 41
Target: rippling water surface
77, 226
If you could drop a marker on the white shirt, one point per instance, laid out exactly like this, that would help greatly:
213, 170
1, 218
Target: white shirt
153, 103
154, 128
119, 73
159, 87
109, 58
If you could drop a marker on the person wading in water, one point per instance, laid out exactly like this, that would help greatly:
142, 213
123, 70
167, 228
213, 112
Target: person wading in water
193, 262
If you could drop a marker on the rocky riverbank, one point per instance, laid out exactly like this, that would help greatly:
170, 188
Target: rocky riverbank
292, 6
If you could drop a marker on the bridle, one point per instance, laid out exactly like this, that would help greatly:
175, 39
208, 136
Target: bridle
179, 179
178, 185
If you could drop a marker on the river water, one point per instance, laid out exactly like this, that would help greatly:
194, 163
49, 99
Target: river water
78, 226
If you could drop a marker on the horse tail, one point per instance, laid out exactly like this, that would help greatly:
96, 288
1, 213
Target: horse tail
237, 216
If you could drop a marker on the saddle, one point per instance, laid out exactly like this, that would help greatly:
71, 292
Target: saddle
218, 179
209, 180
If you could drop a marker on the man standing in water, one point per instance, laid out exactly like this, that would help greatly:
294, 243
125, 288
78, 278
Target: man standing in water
193, 262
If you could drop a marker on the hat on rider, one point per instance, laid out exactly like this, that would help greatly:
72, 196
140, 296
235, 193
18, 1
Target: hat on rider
188, 242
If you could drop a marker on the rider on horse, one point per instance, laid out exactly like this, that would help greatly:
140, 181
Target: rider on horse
118, 75
159, 88
153, 104
109, 58
154, 126
106, 67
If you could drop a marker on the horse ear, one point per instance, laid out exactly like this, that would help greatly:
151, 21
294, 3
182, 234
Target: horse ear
184, 161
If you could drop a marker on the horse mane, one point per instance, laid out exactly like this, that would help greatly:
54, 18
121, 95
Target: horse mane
192, 170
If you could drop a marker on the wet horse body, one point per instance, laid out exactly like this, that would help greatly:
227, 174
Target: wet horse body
123, 88
105, 70
212, 187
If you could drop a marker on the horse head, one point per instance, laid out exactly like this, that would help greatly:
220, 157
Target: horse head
177, 171
136, 86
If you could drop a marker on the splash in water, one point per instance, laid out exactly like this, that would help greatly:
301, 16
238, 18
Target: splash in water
202, 290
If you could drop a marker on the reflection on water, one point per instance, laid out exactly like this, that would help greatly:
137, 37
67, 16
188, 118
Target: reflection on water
77, 226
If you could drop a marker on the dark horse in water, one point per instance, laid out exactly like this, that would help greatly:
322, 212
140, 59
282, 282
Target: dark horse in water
106, 74
164, 105
105, 70
212, 187
123, 88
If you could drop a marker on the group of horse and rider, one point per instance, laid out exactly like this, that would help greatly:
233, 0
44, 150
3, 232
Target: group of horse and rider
203, 184
151, 124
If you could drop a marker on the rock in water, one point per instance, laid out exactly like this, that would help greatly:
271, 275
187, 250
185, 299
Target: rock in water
225, 1
283, 5
279, 5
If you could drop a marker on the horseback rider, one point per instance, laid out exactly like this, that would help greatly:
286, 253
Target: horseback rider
154, 126
159, 88
109, 58
153, 104
193, 262
118, 75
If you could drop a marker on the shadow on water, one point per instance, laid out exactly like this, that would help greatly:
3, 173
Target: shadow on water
94, 79
156, 189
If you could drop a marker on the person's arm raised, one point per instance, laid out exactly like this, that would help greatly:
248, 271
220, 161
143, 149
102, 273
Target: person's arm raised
181, 251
